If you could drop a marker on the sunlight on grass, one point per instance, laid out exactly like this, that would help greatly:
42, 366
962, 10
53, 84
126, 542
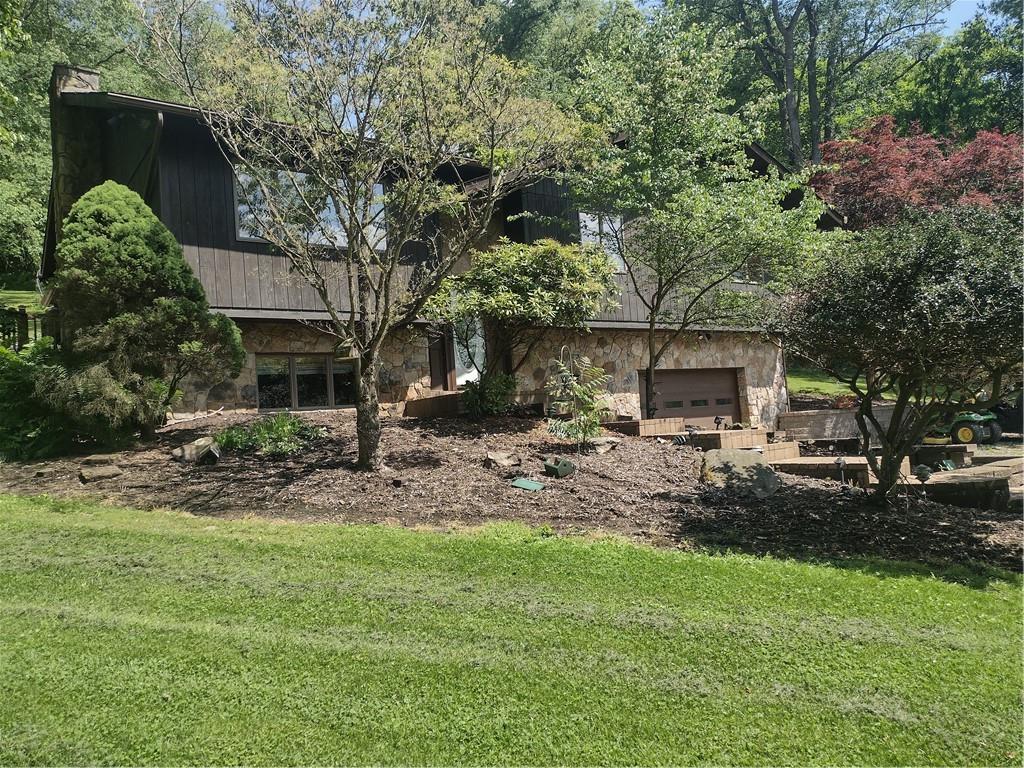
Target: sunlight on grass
155, 637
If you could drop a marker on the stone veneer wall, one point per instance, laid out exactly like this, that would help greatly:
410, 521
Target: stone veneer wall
622, 353
405, 373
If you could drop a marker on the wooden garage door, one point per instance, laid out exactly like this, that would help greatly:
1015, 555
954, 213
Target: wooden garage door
697, 394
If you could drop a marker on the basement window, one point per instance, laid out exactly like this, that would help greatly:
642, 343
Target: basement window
723, 401
296, 382
698, 403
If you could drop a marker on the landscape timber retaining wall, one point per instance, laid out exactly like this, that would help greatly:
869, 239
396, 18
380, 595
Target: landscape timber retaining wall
828, 423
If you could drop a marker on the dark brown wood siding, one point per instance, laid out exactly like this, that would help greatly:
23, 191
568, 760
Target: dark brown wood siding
197, 204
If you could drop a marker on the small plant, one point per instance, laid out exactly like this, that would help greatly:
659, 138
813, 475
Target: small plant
279, 435
579, 389
490, 396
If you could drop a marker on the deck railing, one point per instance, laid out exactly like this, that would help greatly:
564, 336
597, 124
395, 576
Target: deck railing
18, 328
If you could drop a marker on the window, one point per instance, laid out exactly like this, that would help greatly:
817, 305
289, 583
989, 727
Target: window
292, 190
305, 381
603, 231
273, 381
723, 401
698, 403
674, 404
311, 381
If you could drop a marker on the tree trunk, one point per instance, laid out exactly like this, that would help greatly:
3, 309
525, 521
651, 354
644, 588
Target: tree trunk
888, 471
650, 393
790, 102
368, 415
813, 99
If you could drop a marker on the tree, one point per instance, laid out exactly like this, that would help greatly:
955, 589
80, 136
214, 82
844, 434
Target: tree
926, 312
822, 57
373, 142
971, 84
513, 294
33, 35
676, 200
878, 173
135, 321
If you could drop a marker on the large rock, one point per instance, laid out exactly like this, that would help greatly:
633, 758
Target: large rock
605, 444
502, 459
204, 450
102, 472
745, 472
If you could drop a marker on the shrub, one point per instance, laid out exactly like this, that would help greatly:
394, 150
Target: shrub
280, 435
135, 320
579, 389
29, 427
490, 396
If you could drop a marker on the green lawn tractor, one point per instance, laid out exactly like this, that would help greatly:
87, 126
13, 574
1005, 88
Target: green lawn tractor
968, 427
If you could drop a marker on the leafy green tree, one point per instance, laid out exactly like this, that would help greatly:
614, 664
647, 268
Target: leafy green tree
822, 59
36, 35
677, 201
971, 84
513, 294
925, 312
134, 317
375, 141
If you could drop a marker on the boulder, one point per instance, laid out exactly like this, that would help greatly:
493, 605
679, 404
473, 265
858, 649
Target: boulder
202, 451
745, 472
104, 472
605, 444
502, 459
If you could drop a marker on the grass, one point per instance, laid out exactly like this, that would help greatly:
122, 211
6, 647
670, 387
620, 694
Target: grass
29, 299
154, 637
805, 380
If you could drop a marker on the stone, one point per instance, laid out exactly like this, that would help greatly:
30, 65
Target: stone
605, 444
503, 459
94, 473
204, 450
99, 459
45, 472
745, 472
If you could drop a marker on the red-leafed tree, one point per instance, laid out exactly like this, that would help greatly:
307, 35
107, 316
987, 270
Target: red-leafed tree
877, 174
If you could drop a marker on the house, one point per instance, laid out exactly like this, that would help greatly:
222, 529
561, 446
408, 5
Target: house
162, 151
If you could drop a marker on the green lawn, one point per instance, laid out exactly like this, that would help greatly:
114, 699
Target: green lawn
152, 637
801, 380
29, 299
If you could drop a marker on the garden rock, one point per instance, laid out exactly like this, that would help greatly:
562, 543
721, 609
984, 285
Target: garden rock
92, 474
502, 459
202, 451
99, 459
605, 444
745, 472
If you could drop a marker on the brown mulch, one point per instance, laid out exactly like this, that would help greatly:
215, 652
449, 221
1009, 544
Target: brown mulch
436, 478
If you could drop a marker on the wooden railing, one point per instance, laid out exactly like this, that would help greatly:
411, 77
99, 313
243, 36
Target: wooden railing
18, 328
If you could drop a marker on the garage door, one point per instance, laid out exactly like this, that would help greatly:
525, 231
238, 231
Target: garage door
696, 394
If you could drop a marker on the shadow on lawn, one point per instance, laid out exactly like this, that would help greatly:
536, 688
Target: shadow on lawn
847, 530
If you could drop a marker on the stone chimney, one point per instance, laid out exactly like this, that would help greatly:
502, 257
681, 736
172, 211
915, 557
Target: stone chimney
67, 78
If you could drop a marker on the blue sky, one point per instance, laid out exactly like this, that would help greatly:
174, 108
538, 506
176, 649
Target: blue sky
959, 12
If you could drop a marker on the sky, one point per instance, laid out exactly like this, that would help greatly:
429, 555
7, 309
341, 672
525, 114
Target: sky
959, 12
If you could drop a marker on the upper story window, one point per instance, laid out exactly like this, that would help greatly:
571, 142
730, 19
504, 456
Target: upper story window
298, 192
603, 231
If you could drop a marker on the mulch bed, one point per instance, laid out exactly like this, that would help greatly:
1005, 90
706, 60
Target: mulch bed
436, 478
